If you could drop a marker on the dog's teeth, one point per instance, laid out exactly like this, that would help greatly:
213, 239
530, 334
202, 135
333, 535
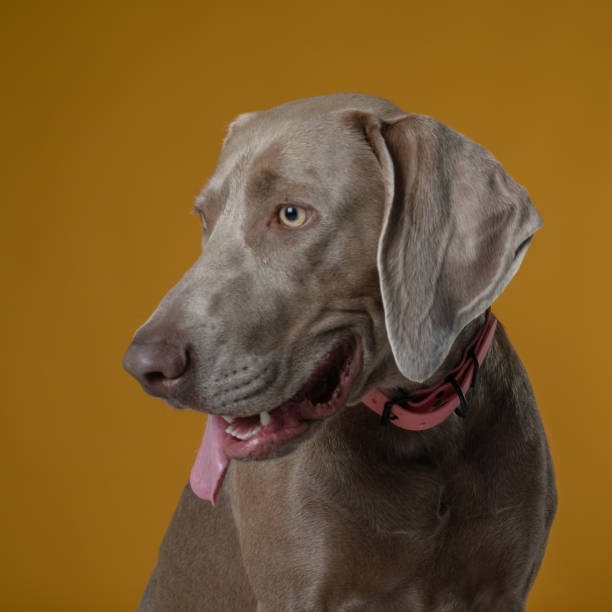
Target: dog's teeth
230, 430
229, 419
264, 418
247, 434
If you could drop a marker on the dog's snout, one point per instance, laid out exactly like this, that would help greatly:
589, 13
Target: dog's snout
159, 366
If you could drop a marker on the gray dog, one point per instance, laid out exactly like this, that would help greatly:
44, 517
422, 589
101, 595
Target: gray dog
389, 454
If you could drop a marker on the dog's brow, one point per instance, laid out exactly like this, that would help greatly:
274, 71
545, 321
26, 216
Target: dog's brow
267, 183
263, 183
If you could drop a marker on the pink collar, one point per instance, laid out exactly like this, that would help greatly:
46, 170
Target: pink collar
425, 408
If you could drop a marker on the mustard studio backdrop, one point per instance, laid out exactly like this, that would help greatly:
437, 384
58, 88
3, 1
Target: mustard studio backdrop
113, 115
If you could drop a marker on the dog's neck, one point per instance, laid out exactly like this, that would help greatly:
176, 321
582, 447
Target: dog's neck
429, 406
357, 429
452, 359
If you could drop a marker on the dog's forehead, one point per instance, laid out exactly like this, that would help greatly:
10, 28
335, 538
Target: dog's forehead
280, 153
302, 140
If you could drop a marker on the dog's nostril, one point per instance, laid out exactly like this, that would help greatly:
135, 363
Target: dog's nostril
154, 377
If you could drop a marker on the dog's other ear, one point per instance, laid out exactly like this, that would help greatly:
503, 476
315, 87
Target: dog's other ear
455, 230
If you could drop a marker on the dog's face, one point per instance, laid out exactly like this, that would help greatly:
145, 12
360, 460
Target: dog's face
282, 321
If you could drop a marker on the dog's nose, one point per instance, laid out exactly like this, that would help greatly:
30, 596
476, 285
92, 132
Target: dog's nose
160, 367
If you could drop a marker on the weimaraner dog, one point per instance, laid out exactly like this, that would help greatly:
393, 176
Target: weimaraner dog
373, 442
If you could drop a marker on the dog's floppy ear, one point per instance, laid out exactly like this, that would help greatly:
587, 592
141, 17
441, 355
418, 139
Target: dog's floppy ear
455, 230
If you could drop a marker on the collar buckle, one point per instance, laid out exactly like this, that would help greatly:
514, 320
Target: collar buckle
387, 416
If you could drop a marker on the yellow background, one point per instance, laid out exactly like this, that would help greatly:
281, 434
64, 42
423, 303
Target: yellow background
112, 119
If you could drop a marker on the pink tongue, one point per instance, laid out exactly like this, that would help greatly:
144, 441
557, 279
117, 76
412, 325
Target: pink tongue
210, 464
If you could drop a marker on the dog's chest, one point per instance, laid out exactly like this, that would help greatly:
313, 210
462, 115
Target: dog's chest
306, 549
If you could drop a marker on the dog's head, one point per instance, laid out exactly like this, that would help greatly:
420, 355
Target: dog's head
345, 244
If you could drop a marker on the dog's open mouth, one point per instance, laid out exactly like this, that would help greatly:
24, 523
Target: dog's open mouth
271, 433
323, 395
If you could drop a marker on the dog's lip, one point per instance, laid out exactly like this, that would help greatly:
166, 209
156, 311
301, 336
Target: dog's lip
348, 342
316, 400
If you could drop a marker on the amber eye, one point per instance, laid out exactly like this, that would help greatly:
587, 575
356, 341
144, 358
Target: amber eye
203, 221
292, 216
